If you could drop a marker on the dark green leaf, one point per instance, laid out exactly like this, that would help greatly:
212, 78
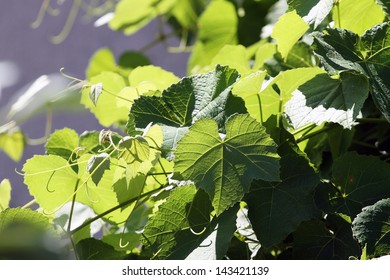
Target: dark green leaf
225, 168
312, 11
277, 209
357, 181
326, 99
340, 49
329, 240
372, 228
96, 166
93, 249
192, 98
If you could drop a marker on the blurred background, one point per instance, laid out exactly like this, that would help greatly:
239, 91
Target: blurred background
27, 51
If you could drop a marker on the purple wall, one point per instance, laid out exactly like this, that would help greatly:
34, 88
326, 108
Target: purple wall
31, 50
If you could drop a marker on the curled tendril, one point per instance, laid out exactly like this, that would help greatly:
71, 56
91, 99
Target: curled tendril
48, 182
198, 233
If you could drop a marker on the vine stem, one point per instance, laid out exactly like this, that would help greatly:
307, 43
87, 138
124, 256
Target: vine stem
29, 204
125, 203
72, 206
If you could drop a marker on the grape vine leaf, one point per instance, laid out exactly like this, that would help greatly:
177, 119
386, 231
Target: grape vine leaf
277, 209
261, 99
18, 215
312, 11
385, 5
225, 167
325, 240
217, 28
286, 40
340, 49
93, 249
110, 108
12, 143
190, 234
154, 76
96, 166
327, 99
192, 98
357, 181
62, 143
235, 57
5, 194
142, 12
357, 16
371, 228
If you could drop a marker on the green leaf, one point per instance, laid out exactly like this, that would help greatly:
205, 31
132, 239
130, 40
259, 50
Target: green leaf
12, 216
62, 143
327, 99
385, 5
357, 16
50, 180
187, 12
12, 143
93, 249
141, 14
96, 166
95, 91
277, 209
329, 240
225, 168
132, 59
217, 28
101, 61
372, 228
261, 99
340, 49
110, 108
152, 77
192, 98
188, 210
263, 53
296, 28
233, 56
357, 181
5, 194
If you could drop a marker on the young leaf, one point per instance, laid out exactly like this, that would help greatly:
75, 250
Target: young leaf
277, 209
326, 99
225, 168
357, 16
96, 166
357, 181
103, 60
62, 143
155, 77
332, 240
340, 49
199, 96
5, 194
110, 108
372, 227
286, 40
50, 180
12, 143
233, 56
218, 27
95, 91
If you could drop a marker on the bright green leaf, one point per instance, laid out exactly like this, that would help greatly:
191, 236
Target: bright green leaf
326, 99
333, 240
357, 181
12, 216
12, 143
187, 12
289, 202
151, 77
102, 60
5, 194
110, 108
62, 143
357, 16
225, 168
372, 228
263, 53
296, 28
50, 180
233, 56
217, 28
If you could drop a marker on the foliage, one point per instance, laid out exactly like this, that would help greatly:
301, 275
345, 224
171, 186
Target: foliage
271, 148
